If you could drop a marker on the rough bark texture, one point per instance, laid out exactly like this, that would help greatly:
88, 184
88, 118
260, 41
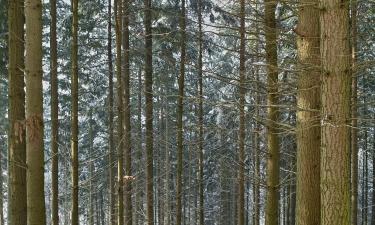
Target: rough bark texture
74, 114
308, 123
127, 128
54, 117
149, 113
36, 214
180, 106
120, 117
273, 158
335, 92
241, 131
17, 208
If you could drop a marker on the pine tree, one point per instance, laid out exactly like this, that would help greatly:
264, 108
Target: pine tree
36, 214
335, 95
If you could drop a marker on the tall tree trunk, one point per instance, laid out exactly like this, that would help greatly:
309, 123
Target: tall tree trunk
241, 134
200, 116
167, 207
335, 96
74, 114
91, 170
373, 178
17, 208
139, 179
36, 212
149, 112
120, 112
127, 130
273, 158
180, 107
1, 185
308, 123
111, 171
54, 117
354, 130
364, 173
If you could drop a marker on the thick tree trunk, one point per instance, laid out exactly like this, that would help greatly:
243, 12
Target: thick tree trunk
180, 107
241, 131
335, 92
36, 214
273, 158
74, 114
127, 129
149, 113
17, 208
120, 113
308, 123
54, 117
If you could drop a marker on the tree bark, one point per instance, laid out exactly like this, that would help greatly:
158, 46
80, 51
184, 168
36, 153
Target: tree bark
149, 112
120, 112
308, 123
17, 208
91, 171
354, 111
241, 131
36, 214
200, 117
54, 117
335, 96
272, 200
111, 171
127, 130
180, 107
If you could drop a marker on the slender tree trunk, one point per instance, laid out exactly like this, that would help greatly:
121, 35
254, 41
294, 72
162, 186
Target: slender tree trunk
91, 171
17, 208
167, 211
364, 173
74, 114
354, 130
308, 123
120, 112
111, 171
36, 212
273, 158
373, 178
1, 186
200, 116
180, 106
139, 179
149, 112
241, 134
54, 118
335, 92
127, 130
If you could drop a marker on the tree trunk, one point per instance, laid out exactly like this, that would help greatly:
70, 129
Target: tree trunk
167, 211
273, 158
17, 208
91, 170
373, 178
335, 92
200, 117
1, 186
54, 117
149, 112
180, 107
354, 111
241, 134
111, 172
36, 214
74, 114
308, 123
120, 112
127, 130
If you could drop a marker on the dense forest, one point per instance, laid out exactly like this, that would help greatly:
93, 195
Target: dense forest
187, 112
